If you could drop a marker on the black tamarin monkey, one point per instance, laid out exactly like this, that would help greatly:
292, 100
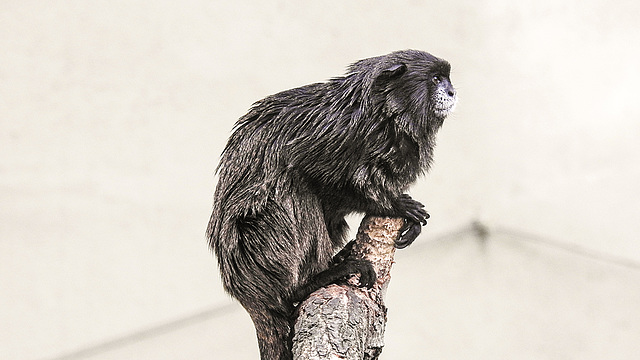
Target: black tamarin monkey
302, 159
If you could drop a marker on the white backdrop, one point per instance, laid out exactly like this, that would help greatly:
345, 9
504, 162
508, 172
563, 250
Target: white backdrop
113, 113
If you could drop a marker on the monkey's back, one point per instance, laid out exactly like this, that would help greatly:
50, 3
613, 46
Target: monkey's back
267, 227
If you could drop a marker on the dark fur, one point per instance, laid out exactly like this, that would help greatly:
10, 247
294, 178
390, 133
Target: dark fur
301, 160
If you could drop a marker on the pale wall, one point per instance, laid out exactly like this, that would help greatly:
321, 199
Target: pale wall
113, 113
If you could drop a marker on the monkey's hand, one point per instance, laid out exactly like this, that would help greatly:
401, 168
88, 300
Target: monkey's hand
410, 209
415, 217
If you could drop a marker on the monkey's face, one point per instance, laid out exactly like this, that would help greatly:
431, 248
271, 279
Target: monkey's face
443, 95
416, 88
432, 74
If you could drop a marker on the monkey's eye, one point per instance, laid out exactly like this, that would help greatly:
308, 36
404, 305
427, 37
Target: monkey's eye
436, 79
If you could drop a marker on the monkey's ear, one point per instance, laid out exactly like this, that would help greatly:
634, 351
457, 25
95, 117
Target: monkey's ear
393, 72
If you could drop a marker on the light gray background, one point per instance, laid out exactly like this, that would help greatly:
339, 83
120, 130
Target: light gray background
113, 114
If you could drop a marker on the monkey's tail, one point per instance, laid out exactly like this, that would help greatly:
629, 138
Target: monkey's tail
274, 334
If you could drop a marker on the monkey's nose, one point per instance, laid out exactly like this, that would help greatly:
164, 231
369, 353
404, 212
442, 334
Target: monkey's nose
451, 91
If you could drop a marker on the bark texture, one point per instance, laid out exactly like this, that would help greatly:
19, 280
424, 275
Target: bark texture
345, 321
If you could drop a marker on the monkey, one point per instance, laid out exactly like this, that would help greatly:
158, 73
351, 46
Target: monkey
301, 160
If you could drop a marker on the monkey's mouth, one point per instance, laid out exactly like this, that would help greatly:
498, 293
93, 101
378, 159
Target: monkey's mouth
444, 108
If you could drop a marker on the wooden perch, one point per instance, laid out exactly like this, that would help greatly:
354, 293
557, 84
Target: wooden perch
345, 321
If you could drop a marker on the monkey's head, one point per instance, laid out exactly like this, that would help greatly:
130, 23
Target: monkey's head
412, 87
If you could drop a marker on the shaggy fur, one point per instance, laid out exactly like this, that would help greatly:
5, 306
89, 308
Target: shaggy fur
302, 159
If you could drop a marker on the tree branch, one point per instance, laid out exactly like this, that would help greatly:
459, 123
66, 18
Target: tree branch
345, 321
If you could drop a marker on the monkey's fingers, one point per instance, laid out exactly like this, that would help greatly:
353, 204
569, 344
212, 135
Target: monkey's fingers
418, 216
414, 218
411, 209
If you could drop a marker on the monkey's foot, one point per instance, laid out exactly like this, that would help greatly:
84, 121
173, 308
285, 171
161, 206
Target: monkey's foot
338, 274
362, 267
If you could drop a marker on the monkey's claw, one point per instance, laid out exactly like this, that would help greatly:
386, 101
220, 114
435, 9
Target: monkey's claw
408, 234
